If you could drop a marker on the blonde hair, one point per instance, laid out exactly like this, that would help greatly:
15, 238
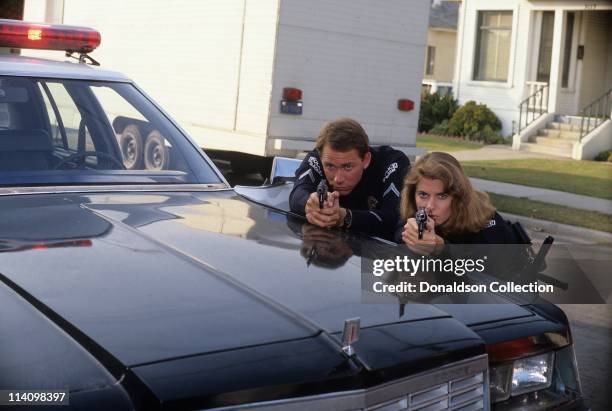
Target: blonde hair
470, 209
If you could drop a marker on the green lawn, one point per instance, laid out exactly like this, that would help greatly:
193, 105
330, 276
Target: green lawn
439, 143
590, 178
552, 212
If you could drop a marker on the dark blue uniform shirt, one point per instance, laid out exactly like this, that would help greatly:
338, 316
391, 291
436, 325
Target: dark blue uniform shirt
374, 202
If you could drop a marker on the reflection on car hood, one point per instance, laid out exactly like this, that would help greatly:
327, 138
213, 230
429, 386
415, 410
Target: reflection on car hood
171, 275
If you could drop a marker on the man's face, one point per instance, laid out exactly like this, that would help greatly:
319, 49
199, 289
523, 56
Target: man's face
343, 169
431, 196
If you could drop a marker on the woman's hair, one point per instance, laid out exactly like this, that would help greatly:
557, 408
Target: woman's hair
470, 208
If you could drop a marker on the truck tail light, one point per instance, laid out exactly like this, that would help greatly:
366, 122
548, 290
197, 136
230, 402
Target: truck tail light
292, 94
20, 34
403, 104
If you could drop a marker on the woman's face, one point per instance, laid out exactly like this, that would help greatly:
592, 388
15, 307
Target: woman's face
430, 195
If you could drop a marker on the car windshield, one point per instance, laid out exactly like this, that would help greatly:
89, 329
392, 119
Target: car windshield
80, 132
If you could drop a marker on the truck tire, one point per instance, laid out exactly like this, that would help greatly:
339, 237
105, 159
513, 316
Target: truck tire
156, 155
130, 142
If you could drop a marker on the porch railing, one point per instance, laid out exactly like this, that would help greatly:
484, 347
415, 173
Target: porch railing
596, 113
533, 106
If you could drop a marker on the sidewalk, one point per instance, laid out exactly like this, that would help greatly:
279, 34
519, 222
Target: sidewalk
563, 233
544, 195
498, 152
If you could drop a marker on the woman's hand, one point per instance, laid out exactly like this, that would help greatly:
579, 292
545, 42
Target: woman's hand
431, 243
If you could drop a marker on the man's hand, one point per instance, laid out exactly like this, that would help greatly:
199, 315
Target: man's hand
331, 215
429, 244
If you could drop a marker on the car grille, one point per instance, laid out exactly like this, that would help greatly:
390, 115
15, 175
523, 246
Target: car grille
464, 394
461, 386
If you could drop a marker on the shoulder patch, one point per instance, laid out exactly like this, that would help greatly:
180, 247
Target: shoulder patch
390, 170
314, 164
392, 189
307, 173
490, 224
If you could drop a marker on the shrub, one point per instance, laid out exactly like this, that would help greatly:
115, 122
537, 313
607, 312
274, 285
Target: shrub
435, 108
476, 122
605, 155
488, 136
440, 129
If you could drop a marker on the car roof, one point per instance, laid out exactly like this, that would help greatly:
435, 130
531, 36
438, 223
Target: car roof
14, 65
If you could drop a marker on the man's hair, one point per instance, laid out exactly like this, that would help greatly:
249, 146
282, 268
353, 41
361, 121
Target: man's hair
470, 208
343, 134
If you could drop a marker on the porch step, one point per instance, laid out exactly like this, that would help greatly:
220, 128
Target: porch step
547, 149
559, 134
553, 142
555, 125
574, 120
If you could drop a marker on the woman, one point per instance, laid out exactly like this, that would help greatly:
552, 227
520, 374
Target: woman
457, 213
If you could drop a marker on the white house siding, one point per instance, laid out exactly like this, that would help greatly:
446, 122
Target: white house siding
502, 98
378, 45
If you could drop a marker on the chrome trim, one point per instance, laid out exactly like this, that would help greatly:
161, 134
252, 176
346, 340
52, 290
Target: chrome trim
350, 334
139, 188
467, 377
27, 66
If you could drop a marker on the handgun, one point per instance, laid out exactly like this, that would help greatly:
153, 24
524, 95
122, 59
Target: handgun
322, 192
421, 220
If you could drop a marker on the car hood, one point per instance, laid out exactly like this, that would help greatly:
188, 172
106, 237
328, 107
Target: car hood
151, 277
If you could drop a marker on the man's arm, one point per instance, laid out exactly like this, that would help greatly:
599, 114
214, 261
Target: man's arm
307, 176
383, 219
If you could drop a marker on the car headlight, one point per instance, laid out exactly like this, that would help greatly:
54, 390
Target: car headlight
532, 373
500, 377
521, 376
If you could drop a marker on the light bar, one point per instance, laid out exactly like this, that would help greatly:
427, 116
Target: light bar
24, 35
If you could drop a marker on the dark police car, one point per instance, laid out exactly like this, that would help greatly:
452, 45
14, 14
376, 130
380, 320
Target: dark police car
133, 277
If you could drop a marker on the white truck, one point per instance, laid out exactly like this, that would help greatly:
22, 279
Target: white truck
249, 80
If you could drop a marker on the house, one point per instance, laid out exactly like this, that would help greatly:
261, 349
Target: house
441, 46
544, 67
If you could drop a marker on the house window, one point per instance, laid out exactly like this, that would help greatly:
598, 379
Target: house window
546, 43
493, 45
567, 49
431, 57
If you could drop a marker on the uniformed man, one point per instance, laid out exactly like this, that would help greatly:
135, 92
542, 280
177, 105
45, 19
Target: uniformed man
364, 182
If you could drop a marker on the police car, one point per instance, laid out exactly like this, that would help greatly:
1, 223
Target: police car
133, 277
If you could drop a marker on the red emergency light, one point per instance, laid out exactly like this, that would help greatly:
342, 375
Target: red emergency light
292, 94
403, 104
24, 35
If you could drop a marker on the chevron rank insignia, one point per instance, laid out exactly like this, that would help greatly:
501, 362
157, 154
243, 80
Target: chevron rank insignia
391, 189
